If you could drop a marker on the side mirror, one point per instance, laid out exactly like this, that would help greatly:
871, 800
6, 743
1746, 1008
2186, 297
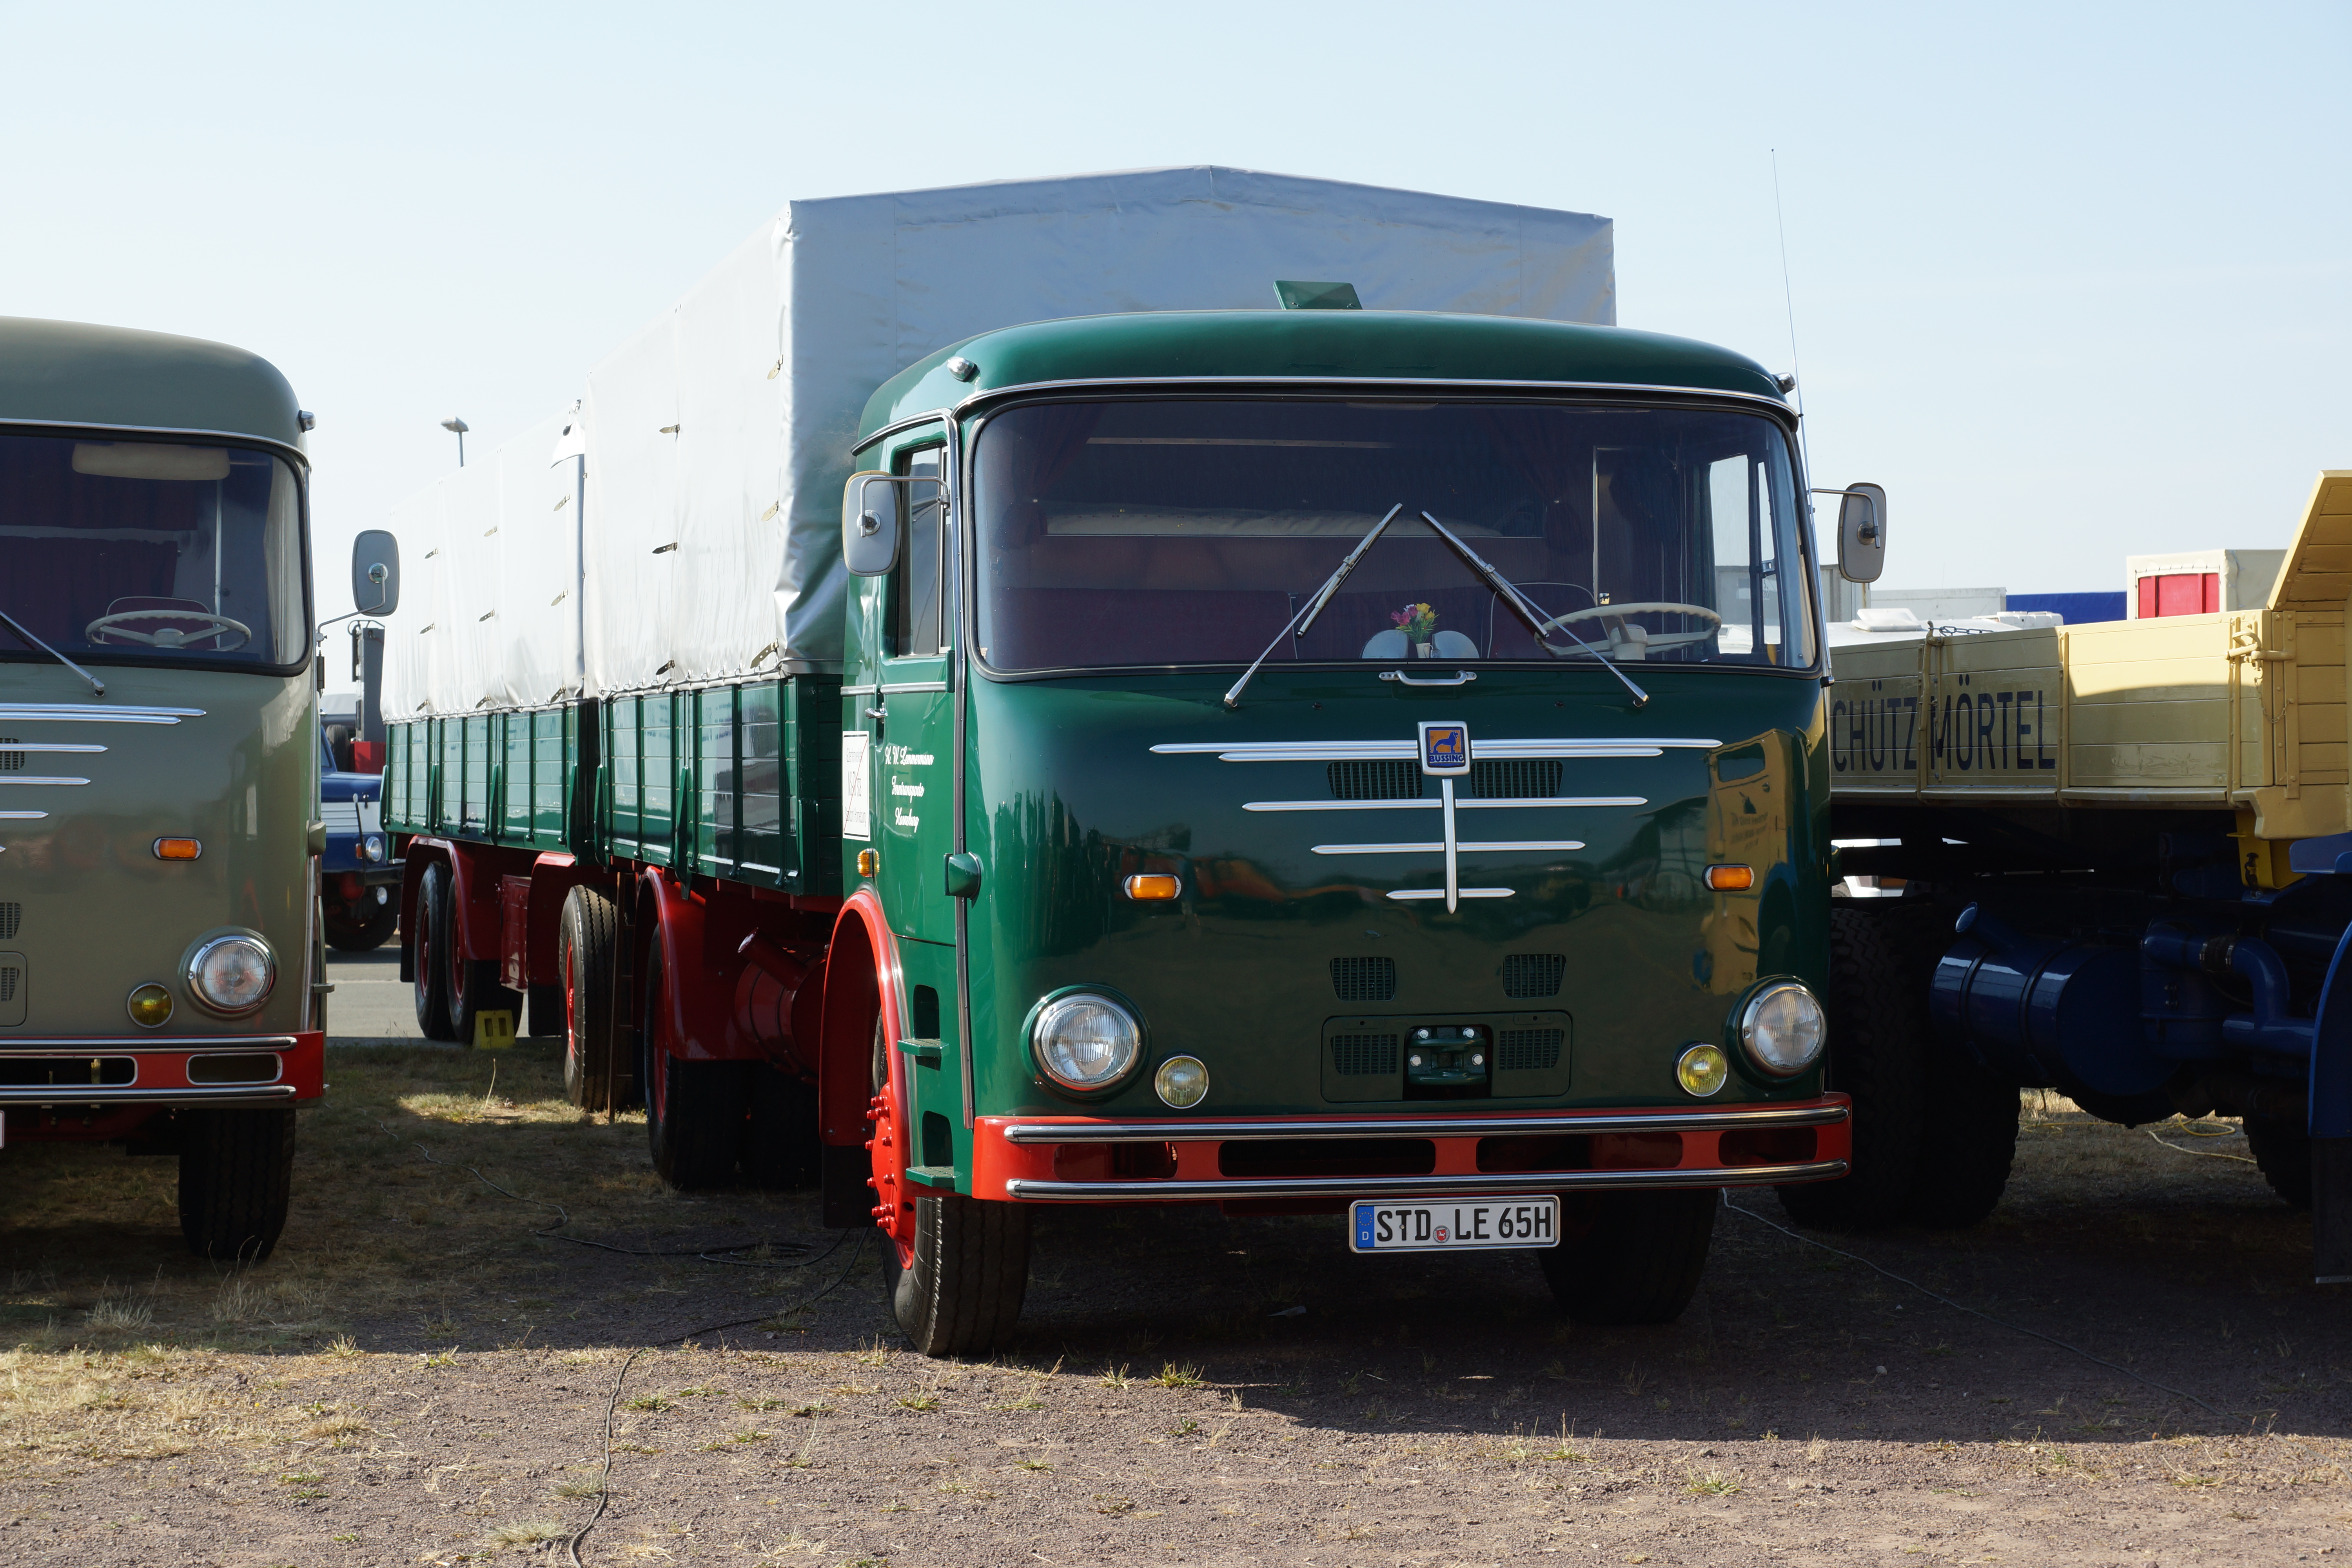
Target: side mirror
376, 573
1862, 532
871, 524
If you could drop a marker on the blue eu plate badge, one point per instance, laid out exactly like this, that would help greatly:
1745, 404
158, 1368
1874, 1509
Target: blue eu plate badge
1445, 748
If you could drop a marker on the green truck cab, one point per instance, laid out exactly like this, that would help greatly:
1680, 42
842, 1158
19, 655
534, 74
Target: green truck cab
1358, 762
159, 949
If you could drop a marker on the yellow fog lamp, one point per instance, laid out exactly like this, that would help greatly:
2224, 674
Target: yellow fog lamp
1182, 1082
1702, 1070
1154, 888
149, 1005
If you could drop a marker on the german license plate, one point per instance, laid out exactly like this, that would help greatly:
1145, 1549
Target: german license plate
1441, 1225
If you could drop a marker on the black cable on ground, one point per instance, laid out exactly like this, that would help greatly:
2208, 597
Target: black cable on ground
1959, 1307
604, 1477
707, 1254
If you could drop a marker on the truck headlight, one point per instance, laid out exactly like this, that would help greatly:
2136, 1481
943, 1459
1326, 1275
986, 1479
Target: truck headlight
1781, 1029
233, 973
1085, 1042
372, 846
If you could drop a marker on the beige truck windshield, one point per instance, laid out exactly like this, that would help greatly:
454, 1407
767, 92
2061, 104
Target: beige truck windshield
148, 553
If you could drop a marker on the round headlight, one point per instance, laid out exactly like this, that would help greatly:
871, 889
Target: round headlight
150, 1005
1182, 1082
1086, 1043
1702, 1070
1782, 1029
232, 973
372, 846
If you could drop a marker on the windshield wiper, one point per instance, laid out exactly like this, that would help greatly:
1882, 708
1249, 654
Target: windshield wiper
1538, 622
1305, 618
95, 683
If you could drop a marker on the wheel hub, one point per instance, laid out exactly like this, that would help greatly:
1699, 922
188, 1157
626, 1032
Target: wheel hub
894, 1213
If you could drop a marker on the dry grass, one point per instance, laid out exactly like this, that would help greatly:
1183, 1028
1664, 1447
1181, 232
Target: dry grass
384, 1252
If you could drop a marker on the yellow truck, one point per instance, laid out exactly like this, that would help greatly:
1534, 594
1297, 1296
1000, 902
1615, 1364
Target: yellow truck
2115, 860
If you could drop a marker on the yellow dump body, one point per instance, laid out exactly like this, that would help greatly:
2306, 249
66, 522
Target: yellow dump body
2241, 711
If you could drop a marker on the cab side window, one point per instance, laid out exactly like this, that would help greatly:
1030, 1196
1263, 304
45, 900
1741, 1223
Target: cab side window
918, 586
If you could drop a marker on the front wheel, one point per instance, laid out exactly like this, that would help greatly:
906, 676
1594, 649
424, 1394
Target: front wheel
954, 1268
236, 1177
1627, 1258
1878, 1057
366, 933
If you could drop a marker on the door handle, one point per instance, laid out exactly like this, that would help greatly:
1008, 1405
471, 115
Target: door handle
1459, 677
877, 714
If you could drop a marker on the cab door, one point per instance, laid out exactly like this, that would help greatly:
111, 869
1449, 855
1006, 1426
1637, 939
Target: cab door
913, 772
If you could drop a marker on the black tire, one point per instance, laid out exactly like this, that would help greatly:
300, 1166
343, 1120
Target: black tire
781, 1148
1968, 1141
1878, 1044
347, 935
237, 1173
587, 946
962, 1293
1630, 1258
2282, 1148
695, 1112
430, 963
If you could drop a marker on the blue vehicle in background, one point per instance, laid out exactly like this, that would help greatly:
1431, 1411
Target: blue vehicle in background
359, 882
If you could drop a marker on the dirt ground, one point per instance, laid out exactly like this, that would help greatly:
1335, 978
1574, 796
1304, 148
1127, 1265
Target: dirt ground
415, 1378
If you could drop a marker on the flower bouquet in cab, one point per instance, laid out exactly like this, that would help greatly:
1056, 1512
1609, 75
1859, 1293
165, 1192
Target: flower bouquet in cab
1419, 624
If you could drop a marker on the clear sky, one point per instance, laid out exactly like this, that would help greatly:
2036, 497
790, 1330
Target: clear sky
2071, 282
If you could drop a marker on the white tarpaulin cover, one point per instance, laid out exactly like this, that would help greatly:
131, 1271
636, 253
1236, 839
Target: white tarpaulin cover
719, 436
488, 584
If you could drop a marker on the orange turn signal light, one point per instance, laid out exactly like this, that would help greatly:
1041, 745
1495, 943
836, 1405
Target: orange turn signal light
1731, 879
1154, 887
178, 850
869, 862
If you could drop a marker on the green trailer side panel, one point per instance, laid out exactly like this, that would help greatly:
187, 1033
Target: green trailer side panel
737, 781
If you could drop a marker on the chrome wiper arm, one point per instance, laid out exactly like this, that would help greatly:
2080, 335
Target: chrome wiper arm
1528, 611
1304, 618
95, 683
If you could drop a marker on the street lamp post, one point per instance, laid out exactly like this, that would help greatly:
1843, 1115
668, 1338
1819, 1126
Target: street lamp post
458, 427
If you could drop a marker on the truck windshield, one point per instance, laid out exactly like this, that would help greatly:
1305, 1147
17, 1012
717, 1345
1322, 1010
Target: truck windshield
1171, 531
147, 552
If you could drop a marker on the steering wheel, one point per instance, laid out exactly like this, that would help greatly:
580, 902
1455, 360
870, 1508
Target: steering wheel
106, 628
1614, 615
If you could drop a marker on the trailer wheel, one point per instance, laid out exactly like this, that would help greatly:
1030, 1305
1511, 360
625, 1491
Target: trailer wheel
431, 948
954, 1268
1877, 1055
695, 1111
1630, 1258
474, 989
237, 1173
587, 939
1968, 1141
2282, 1149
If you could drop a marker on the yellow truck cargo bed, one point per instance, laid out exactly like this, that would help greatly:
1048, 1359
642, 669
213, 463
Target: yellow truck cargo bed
2240, 710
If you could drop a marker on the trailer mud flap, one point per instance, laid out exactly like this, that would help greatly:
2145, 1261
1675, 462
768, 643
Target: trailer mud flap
844, 1175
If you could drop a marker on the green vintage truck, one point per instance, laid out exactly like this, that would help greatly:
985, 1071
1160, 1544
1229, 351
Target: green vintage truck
1309, 759
159, 945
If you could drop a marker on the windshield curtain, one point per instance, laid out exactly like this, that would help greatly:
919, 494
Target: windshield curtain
1171, 531
149, 553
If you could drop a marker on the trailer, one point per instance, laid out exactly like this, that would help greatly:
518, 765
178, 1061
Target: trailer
1181, 687
2121, 855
